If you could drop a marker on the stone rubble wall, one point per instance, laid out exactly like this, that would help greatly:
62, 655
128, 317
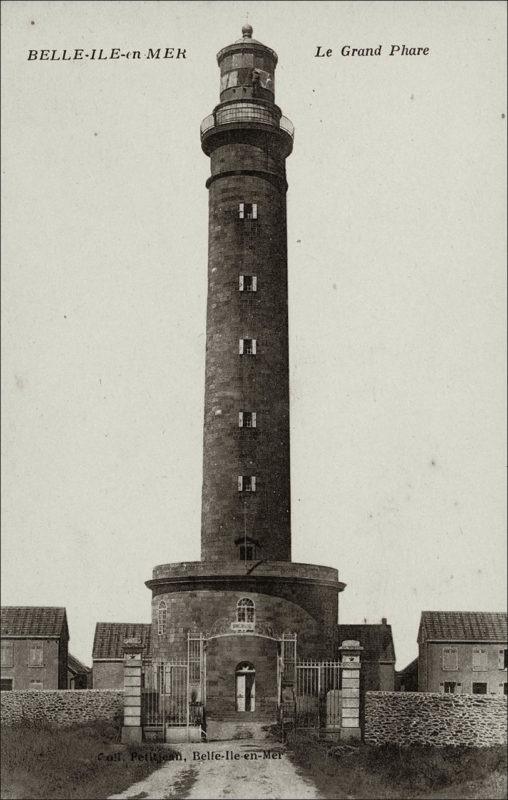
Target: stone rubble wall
405, 718
60, 706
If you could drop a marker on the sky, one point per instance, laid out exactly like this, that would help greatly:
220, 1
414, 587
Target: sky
396, 209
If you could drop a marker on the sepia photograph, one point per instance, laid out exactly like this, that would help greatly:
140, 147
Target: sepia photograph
254, 400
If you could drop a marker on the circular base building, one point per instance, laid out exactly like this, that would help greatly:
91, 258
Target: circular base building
247, 628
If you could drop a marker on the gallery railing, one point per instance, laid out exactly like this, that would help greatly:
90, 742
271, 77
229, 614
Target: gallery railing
246, 112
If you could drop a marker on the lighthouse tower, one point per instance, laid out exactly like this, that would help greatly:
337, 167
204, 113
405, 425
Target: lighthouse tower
246, 494
253, 607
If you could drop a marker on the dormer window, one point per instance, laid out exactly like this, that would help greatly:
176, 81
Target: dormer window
248, 283
248, 211
246, 419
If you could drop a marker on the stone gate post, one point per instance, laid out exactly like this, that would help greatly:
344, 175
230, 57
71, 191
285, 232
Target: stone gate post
132, 666
350, 712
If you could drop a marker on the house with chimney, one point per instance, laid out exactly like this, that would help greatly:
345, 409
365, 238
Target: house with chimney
463, 652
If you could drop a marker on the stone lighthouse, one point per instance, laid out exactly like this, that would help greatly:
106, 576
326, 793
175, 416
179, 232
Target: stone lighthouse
253, 610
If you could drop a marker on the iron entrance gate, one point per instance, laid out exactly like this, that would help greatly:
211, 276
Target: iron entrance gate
173, 695
317, 694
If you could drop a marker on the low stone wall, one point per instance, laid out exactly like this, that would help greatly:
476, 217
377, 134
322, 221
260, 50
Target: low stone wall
60, 706
403, 718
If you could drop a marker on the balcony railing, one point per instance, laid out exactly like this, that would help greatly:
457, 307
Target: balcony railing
246, 112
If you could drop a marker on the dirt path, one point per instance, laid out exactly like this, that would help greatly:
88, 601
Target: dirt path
216, 771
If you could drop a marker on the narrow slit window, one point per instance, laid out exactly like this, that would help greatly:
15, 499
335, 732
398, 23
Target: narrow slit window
248, 283
251, 211
161, 618
247, 419
247, 347
248, 211
247, 552
246, 483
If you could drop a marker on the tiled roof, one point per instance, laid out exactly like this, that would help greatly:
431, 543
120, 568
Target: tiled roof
75, 665
466, 626
34, 621
376, 640
411, 668
109, 638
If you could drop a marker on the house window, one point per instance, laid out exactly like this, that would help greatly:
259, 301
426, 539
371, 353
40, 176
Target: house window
247, 552
161, 618
6, 685
450, 687
246, 483
36, 654
450, 658
248, 211
505, 688
479, 659
503, 659
479, 688
247, 419
37, 685
245, 610
7, 654
247, 347
248, 283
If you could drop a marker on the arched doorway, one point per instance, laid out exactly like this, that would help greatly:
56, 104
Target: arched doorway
245, 687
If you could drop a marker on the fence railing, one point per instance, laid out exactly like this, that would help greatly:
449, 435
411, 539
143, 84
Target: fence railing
317, 694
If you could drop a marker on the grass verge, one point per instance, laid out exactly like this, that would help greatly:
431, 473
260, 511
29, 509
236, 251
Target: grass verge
363, 771
83, 762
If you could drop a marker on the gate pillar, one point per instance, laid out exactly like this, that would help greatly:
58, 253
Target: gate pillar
132, 665
350, 712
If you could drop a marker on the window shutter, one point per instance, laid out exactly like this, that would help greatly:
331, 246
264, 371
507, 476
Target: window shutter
240, 483
254, 283
479, 658
240, 347
240, 419
501, 659
240, 283
241, 211
441, 688
254, 211
253, 419
253, 483
253, 347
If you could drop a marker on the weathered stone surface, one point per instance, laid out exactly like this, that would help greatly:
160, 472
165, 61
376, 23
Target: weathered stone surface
61, 706
405, 718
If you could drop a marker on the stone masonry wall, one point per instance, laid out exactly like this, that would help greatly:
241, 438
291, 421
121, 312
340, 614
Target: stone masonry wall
237, 382
405, 718
63, 707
